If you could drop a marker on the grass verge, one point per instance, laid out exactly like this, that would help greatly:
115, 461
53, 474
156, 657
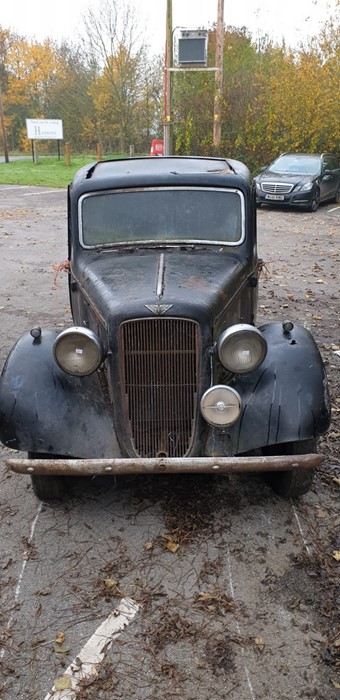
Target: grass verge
49, 172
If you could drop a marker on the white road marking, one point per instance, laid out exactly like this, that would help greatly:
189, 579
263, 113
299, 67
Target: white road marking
93, 652
36, 194
18, 586
334, 209
238, 628
15, 187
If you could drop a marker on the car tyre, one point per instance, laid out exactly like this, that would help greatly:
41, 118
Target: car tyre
314, 204
46, 487
337, 196
296, 482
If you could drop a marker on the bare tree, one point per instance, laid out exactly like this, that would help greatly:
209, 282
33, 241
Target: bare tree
118, 52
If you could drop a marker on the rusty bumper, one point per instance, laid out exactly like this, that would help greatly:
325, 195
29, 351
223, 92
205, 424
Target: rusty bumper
200, 465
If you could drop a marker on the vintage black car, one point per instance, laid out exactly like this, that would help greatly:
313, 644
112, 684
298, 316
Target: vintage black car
164, 369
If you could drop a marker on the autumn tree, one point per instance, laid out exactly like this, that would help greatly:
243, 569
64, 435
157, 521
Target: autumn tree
32, 72
70, 98
119, 55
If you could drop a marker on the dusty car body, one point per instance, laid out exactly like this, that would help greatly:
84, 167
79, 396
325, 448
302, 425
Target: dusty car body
164, 369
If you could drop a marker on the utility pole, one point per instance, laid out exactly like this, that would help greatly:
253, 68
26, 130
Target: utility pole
3, 129
167, 80
218, 73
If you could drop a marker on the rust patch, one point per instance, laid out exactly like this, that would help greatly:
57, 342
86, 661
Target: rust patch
195, 283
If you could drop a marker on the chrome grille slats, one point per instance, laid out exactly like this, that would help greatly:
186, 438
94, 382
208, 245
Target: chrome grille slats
159, 367
277, 187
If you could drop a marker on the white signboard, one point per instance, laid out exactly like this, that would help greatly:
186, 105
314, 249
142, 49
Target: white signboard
44, 128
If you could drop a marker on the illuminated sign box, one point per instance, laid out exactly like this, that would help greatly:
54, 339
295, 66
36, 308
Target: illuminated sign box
192, 47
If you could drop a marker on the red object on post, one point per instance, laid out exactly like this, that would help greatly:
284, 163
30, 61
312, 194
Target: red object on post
157, 147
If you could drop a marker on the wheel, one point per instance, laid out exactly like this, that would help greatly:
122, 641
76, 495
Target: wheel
49, 487
296, 482
314, 204
337, 196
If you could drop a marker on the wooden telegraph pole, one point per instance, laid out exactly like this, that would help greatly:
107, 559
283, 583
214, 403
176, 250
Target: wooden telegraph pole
3, 130
218, 73
167, 80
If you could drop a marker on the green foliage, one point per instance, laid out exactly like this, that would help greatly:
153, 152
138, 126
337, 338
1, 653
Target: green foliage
108, 90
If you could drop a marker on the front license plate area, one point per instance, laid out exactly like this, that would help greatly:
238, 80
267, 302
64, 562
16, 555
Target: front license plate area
276, 197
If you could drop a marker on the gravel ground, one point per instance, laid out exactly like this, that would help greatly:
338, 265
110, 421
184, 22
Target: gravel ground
247, 605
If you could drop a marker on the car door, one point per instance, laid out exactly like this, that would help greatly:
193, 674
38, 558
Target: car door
330, 178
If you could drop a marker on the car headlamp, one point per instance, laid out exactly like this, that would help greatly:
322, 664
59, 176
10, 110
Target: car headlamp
78, 351
307, 187
221, 406
241, 348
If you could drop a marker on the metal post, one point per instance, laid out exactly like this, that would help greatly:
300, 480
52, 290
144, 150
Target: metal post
167, 80
218, 73
3, 130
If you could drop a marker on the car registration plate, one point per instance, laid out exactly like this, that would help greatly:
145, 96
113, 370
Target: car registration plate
277, 197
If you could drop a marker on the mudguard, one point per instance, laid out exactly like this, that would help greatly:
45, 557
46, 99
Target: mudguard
45, 410
286, 398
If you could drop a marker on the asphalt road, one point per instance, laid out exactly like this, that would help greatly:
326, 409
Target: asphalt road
246, 607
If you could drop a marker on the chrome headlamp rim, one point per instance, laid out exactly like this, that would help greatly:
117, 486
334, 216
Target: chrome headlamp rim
215, 414
240, 333
85, 335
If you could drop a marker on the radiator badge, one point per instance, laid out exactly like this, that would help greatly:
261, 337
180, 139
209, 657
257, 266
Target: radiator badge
159, 309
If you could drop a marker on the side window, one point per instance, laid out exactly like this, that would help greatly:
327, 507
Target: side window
327, 163
330, 163
333, 164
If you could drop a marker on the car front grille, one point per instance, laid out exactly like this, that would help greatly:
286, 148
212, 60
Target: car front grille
276, 187
159, 369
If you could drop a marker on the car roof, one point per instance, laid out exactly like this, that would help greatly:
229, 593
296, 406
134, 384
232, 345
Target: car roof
159, 170
304, 155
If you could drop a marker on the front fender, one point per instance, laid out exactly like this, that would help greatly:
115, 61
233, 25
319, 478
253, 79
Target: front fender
286, 398
45, 410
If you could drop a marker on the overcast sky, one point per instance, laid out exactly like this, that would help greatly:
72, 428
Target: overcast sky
293, 20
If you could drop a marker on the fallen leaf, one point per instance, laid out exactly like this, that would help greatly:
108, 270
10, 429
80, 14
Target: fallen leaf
335, 683
321, 514
60, 638
259, 643
63, 683
172, 546
336, 554
38, 611
110, 582
336, 480
203, 597
44, 591
61, 650
9, 561
148, 545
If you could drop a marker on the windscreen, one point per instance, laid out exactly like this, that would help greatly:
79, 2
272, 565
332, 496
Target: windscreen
301, 165
161, 215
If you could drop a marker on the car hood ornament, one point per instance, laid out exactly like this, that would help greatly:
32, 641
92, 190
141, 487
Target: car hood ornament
159, 309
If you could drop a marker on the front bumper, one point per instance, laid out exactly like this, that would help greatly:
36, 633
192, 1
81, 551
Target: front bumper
174, 465
295, 199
